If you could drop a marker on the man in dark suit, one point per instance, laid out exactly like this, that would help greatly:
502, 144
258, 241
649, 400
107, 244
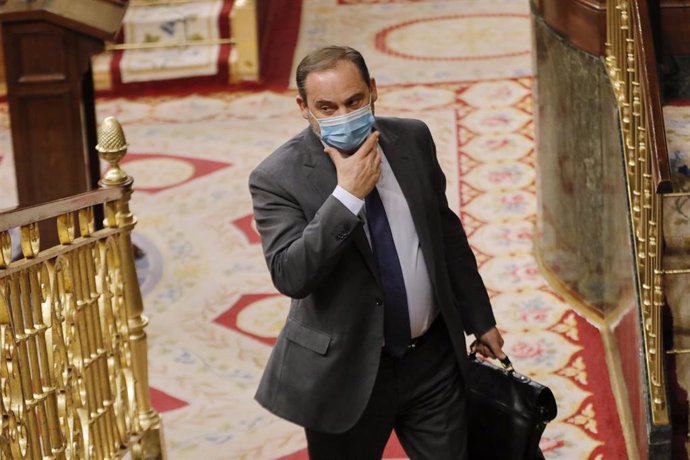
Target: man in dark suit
356, 229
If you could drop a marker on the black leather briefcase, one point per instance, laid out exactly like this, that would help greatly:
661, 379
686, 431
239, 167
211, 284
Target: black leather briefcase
507, 412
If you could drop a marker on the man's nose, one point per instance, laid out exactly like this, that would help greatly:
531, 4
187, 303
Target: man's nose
342, 111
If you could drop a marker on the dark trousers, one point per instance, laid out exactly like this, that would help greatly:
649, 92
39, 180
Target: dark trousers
420, 395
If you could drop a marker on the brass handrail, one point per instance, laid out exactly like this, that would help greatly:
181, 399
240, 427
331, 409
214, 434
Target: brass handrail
632, 69
73, 367
22, 216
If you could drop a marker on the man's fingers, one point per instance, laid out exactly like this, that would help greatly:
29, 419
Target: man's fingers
484, 351
372, 139
369, 145
335, 155
497, 351
490, 344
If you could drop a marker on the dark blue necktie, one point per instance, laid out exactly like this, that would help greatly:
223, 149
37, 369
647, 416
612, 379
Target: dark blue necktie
396, 319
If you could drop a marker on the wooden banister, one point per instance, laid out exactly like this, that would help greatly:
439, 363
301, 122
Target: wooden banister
648, 75
16, 217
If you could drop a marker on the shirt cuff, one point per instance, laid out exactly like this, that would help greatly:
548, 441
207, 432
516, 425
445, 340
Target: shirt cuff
350, 201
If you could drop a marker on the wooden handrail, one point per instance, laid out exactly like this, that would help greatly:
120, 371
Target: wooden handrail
661, 168
16, 217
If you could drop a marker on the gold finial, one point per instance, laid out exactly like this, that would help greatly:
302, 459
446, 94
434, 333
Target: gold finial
112, 147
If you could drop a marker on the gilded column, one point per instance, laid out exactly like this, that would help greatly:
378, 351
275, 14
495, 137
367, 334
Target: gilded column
112, 147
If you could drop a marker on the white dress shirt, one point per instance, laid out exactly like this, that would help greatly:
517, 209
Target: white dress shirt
420, 298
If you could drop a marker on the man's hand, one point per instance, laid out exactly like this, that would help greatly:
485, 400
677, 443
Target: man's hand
359, 172
490, 344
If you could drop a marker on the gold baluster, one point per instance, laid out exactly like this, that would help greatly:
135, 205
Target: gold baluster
6, 389
112, 147
107, 334
56, 360
84, 331
73, 400
92, 327
40, 295
14, 426
127, 419
101, 367
658, 305
23, 408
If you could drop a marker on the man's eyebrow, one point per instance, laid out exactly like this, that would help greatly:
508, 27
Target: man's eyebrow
355, 96
358, 95
323, 102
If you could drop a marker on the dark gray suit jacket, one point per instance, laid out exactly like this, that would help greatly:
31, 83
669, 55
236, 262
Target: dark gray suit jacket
322, 369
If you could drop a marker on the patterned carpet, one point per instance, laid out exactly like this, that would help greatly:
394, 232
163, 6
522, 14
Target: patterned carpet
458, 65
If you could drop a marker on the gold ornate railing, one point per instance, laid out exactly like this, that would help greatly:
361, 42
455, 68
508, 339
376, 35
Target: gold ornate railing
73, 352
632, 69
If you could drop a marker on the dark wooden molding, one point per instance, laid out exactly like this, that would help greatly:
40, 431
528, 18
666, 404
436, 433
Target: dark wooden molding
581, 22
649, 79
675, 27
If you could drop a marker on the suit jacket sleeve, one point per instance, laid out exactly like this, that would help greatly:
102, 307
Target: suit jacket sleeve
466, 282
300, 249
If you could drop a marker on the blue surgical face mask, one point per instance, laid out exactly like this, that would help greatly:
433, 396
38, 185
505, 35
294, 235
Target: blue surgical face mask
347, 132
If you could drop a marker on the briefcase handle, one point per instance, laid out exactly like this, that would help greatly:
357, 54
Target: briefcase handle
505, 362
507, 367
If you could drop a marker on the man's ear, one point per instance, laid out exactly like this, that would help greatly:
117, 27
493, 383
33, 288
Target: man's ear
302, 107
372, 89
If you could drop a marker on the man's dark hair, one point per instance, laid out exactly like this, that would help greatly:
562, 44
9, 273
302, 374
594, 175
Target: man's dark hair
326, 58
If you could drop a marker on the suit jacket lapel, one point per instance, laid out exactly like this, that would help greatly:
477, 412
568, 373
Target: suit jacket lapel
321, 172
405, 173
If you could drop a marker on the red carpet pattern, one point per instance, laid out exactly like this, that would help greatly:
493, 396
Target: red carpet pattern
425, 41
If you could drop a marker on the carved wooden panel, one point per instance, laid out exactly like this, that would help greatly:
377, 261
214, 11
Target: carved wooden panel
50, 63
45, 101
